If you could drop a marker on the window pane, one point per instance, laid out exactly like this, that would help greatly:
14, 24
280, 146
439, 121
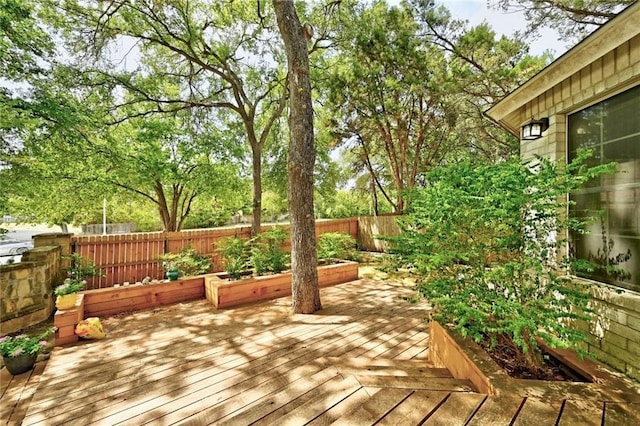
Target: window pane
612, 129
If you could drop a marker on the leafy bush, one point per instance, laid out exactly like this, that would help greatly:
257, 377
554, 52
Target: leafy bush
267, 254
334, 245
487, 246
188, 262
235, 255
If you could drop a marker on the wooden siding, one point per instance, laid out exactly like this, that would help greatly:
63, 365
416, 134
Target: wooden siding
615, 71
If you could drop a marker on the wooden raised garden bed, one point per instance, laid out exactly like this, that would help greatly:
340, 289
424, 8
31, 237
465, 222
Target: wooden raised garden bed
110, 301
223, 293
467, 360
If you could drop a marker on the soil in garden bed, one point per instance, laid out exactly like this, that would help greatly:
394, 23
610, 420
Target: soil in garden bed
507, 357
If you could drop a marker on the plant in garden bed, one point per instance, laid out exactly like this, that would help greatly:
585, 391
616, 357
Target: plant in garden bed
261, 254
266, 252
487, 246
335, 245
188, 262
235, 256
80, 269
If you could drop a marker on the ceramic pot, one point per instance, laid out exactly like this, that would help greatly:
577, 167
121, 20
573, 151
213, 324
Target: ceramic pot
173, 275
19, 364
66, 301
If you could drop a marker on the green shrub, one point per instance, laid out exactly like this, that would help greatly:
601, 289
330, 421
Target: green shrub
486, 245
188, 262
235, 255
334, 245
267, 254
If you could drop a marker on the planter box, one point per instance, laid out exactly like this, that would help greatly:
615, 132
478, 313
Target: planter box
109, 301
223, 294
466, 360
66, 321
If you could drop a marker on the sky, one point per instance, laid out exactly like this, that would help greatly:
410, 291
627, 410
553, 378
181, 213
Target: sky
477, 11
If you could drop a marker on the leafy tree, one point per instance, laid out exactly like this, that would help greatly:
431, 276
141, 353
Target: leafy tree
220, 55
486, 243
407, 100
301, 160
482, 69
571, 18
61, 173
385, 95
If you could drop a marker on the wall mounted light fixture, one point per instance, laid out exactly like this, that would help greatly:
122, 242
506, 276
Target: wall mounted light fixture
533, 129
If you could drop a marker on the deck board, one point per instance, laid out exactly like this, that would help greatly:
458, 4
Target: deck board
456, 410
415, 409
361, 360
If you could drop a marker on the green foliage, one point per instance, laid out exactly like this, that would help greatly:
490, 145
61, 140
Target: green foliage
343, 204
13, 346
335, 245
267, 254
81, 268
571, 18
486, 243
188, 262
235, 255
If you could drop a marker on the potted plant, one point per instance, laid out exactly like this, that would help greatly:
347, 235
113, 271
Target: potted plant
66, 293
19, 353
80, 269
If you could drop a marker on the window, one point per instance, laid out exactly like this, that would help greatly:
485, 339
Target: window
612, 129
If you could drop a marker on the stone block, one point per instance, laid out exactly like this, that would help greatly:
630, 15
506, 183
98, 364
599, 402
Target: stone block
24, 303
24, 289
22, 274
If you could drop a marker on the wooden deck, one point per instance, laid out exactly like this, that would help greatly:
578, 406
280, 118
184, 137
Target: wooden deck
362, 360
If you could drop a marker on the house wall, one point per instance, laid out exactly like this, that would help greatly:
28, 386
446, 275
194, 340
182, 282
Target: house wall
615, 335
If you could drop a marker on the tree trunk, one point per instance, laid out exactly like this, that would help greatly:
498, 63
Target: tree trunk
300, 164
256, 150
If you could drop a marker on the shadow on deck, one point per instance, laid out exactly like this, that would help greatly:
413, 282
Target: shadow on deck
361, 360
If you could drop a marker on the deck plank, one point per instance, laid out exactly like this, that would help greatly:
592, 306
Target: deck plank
417, 407
313, 404
416, 382
581, 412
497, 410
282, 398
536, 412
345, 407
456, 410
375, 407
619, 413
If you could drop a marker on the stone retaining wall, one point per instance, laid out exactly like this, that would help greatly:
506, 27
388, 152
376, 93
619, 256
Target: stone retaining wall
26, 288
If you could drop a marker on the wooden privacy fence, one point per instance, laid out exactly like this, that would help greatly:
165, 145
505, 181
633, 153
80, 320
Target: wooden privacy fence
132, 257
371, 227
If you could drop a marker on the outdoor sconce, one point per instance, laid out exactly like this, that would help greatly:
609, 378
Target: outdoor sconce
533, 129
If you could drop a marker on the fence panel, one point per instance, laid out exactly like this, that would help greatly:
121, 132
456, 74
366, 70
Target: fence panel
370, 227
122, 257
132, 257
